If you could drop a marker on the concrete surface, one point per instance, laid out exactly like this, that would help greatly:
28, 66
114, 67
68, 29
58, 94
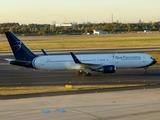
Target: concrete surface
118, 105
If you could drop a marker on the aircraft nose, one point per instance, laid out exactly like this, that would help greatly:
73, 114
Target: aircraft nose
154, 61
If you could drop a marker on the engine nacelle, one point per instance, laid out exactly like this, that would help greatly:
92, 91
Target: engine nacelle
108, 69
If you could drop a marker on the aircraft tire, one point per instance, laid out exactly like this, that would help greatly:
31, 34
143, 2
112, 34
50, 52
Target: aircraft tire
89, 74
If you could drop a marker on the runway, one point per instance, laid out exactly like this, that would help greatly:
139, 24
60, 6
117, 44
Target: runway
17, 76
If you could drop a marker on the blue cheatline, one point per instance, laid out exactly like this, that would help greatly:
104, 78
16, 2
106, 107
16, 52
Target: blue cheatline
61, 110
46, 111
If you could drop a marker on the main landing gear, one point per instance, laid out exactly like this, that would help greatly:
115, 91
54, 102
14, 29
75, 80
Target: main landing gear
84, 73
145, 70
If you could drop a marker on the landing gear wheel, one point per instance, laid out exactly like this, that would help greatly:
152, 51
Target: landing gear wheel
84, 74
145, 70
79, 73
89, 74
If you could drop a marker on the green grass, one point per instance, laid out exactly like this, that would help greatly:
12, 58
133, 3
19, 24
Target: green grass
87, 41
48, 89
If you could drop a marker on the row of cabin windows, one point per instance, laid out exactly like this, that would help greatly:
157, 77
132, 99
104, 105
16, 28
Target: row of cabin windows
72, 60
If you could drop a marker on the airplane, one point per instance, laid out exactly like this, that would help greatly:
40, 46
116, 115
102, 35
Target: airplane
83, 63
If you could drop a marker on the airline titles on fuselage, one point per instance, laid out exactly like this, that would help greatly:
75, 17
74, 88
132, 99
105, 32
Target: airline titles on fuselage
127, 57
116, 57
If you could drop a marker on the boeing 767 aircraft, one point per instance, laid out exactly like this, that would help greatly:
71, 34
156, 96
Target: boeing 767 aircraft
84, 63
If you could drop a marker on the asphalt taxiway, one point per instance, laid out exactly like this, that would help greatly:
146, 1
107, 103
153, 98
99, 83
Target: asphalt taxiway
17, 76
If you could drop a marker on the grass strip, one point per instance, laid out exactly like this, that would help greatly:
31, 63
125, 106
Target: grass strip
19, 90
85, 41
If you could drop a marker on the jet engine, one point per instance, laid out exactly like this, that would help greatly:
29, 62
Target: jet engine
107, 69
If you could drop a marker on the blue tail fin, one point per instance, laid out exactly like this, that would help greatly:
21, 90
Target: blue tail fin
20, 51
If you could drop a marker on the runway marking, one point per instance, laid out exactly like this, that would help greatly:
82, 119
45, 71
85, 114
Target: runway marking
61, 110
45, 110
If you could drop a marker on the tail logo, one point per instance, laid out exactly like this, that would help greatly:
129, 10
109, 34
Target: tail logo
17, 45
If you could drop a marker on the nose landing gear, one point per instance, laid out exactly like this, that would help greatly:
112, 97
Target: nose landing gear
145, 70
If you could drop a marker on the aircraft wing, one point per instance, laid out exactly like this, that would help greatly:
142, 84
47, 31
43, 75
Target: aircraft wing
84, 65
92, 66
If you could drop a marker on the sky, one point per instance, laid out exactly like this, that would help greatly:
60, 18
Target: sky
94, 11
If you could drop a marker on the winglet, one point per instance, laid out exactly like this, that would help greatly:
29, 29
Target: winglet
44, 52
76, 60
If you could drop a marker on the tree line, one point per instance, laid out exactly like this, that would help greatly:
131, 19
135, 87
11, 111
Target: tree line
47, 29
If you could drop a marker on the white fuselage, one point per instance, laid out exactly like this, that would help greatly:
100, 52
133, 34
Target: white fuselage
66, 62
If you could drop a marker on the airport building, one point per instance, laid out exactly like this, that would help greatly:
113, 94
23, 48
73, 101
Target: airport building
99, 32
66, 24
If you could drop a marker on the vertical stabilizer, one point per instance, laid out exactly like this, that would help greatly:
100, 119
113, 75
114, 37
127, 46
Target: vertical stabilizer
20, 51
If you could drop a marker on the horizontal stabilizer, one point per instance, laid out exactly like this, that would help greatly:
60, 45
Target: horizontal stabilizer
19, 62
9, 59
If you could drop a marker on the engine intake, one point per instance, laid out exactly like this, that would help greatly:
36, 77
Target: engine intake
109, 69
